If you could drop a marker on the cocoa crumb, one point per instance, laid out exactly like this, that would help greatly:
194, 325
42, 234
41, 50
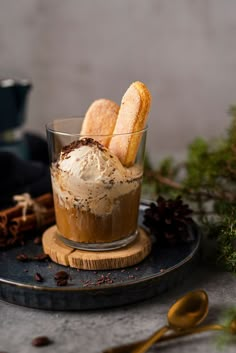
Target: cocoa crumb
22, 257
38, 240
87, 281
86, 284
38, 277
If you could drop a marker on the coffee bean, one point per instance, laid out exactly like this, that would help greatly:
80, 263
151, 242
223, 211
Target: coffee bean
61, 275
41, 341
41, 257
62, 282
38, 277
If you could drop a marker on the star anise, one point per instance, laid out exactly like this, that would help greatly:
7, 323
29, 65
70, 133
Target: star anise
169, 221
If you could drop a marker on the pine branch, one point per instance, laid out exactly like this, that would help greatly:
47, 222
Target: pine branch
207, 179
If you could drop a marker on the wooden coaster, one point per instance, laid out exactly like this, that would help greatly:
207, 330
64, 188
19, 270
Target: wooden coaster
96, 260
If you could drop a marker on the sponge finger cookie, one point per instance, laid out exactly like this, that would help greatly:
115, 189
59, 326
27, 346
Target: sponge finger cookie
132, 117
100, 120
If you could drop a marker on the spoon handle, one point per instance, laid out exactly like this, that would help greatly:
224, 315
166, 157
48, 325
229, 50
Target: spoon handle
128, 348
195, 330
143, 346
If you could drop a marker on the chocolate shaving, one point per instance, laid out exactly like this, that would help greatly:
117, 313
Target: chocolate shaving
38, 277
87, 141
23, 258
38, 240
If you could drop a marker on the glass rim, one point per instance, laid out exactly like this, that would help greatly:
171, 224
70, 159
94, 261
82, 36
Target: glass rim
50, 129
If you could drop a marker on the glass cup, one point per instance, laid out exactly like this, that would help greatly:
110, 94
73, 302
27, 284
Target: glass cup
96, 198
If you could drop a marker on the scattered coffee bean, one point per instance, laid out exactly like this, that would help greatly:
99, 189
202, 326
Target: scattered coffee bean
41, 257
41, 341
61, 275
62, 282
22, 257
38, 277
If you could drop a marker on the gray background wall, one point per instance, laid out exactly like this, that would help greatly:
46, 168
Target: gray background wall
76, 51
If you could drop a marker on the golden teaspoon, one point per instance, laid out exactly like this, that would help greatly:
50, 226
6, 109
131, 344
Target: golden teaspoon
187, 312
128, 347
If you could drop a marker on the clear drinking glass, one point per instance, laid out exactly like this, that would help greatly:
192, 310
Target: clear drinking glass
96, 198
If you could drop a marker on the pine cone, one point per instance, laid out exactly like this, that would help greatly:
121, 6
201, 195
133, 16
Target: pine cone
168, 220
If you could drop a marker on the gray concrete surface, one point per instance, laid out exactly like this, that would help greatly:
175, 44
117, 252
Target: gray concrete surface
93, 331
76, 51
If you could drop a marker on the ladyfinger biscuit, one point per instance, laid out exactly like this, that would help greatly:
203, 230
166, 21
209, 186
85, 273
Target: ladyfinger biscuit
132, 117
100, 119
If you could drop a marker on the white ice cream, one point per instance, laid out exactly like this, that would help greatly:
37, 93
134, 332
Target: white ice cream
91, 178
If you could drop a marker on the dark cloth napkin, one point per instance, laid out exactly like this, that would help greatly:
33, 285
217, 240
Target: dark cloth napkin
19, 176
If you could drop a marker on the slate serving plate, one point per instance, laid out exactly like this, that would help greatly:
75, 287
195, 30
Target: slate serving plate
163, 269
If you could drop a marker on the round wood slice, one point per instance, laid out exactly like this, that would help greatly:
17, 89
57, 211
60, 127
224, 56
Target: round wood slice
96, 260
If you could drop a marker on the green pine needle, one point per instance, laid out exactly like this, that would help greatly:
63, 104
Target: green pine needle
207, 179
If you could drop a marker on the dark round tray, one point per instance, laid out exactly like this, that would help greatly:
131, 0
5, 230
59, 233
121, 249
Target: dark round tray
163, 269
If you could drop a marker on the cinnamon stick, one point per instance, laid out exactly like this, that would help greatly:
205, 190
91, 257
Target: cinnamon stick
45, 200
18, 224
13, 225
3, 219
9, 213
3, 230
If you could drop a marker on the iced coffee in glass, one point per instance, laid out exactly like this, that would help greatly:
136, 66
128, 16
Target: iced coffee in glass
96, 191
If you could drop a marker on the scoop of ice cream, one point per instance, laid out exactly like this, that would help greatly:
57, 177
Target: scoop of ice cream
89, 161
91, 177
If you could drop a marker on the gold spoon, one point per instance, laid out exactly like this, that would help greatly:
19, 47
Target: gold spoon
128, 347
187, 312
